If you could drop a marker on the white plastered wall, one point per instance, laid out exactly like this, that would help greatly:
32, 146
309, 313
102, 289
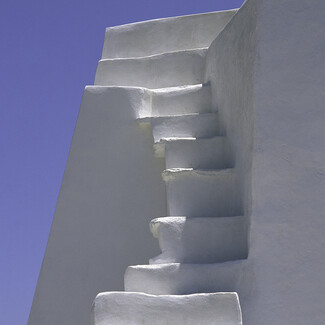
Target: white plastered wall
111, 190
267, 70
288, 210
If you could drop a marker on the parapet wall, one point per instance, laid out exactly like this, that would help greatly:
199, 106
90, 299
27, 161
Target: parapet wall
110, 190
164, 35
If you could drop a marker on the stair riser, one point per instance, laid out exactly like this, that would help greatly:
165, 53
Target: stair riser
179, 279
196, 99
200, 154
200, 126
118, 308
166, 70
202, 240
194, 195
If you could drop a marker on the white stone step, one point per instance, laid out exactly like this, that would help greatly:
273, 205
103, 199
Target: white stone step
181, 100
183, 126
199, 240
207, 153
157, 71
202, 193
160, 147
164, 35
130, 308
179, 279
184, 100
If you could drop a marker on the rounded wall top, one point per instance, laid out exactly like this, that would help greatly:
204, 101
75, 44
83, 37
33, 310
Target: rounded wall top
164, 35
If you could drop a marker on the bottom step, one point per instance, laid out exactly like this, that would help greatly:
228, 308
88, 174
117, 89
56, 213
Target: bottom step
118, 308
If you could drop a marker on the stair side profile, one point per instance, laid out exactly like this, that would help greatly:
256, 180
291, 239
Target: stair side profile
212, 230
161, 98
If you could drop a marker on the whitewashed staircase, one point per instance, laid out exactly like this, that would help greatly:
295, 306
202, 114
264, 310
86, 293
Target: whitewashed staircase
204, 237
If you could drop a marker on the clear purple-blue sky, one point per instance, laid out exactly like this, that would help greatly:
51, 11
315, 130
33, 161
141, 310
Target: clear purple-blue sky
48, 53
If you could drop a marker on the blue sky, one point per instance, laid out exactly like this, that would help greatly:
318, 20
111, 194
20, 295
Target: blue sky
48, 53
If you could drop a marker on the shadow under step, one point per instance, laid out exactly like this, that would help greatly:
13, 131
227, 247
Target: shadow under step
180, 279
202, 193
199, 240
203, 125
156, 71
206, 153
125, 308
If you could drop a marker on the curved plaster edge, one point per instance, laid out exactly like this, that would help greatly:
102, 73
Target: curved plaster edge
148, 37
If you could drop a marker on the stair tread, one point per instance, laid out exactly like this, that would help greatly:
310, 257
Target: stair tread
118, 308
188, 140
170, 69
156, 90
181, 100
176, 220
150, 119
192, 139
173, 139
178, 88
154, 56
179, 278
171, 173
194, 125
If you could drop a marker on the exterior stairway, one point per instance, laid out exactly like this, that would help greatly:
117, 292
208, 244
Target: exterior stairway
204, 237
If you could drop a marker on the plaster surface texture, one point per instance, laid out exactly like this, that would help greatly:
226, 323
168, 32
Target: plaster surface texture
267, 77
104, 208
117, 308
288, 184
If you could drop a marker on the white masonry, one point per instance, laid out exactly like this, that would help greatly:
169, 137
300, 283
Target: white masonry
207, 130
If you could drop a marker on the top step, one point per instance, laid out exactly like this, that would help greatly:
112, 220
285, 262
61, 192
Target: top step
164, 35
